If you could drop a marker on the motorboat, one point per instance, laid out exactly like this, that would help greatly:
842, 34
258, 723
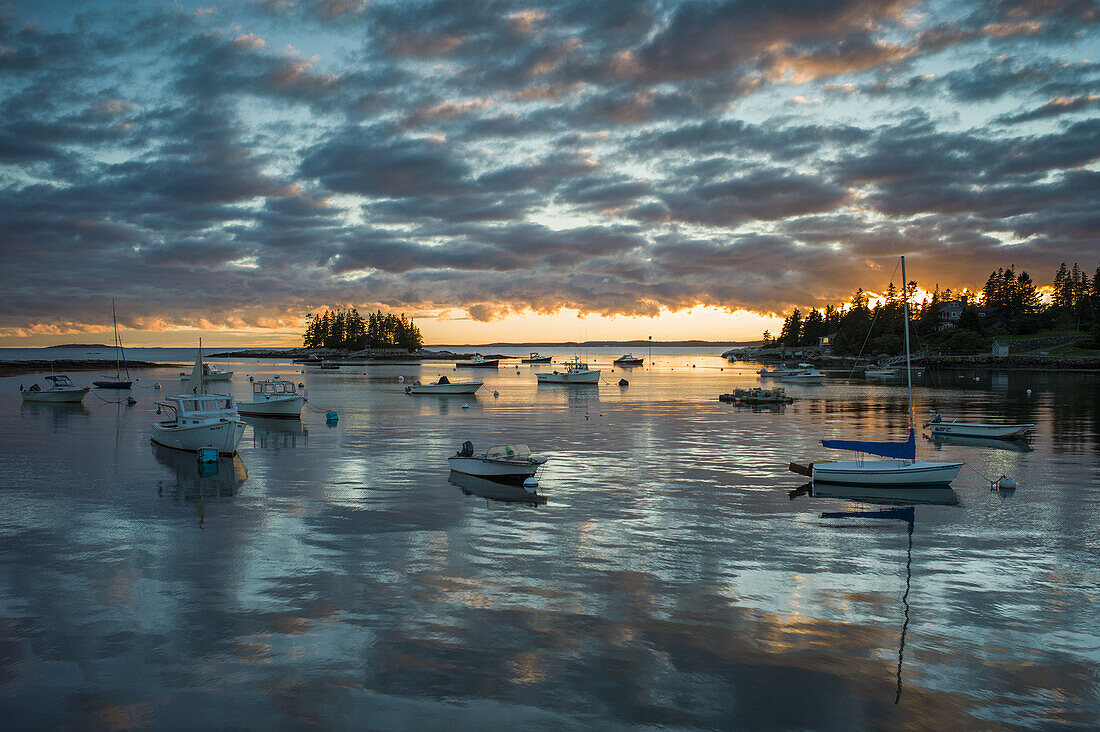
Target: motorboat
58, 389
776, 373
901, 469
444, 386
576, 372
535, 357
940, 428
116, 381
756, 395
273, 398
199, 419
512, 463
628, 359
477, 362
209, 373
807, 376
880, 372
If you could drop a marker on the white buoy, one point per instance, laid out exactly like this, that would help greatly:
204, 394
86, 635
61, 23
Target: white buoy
1029, 392
465, 405
1006, 484
530, 485
977, 378
400, 379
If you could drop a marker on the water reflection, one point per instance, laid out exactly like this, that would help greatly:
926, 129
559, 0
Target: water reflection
472, 485
196, 481
275, 434
880, 495
1017, 445
60, 413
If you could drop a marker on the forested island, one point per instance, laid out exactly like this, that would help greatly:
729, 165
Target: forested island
348, 330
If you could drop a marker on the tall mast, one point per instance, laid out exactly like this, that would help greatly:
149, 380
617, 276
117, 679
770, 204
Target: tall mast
114, 321
908, 365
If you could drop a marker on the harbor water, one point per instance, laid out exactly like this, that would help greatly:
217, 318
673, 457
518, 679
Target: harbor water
677, 574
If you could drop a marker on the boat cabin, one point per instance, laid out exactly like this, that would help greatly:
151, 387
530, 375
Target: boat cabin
203, 409
274, 388
60, 381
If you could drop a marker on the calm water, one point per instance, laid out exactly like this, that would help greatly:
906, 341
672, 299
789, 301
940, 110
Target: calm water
333, 575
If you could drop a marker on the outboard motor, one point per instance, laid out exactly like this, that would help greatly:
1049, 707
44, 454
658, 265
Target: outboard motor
467, 449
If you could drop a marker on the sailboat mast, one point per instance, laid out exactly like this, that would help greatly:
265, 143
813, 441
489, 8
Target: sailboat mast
114, 322
908, 365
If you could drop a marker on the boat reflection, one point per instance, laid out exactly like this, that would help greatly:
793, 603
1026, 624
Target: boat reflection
61, 412
197, 481
269, 433
472, 485
1017, 445
899, 502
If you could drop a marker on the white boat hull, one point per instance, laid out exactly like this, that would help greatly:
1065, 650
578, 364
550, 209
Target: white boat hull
494, 469
577, 377
223, 435
468, 387
885, 473
964, 429
286, 407
58, 396
219, 376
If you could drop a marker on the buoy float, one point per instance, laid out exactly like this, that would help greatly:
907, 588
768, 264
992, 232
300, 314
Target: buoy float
156, 385
1005, 483
496, 393
332, 416
131, 401
465, 405
530, 485
1029, 392
208, 454
400, 379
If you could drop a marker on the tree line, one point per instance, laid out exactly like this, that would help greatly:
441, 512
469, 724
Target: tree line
1009, 303
349, 330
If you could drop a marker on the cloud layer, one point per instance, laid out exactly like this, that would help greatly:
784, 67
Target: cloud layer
243, 164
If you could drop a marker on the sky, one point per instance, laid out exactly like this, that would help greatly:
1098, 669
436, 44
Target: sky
529, 171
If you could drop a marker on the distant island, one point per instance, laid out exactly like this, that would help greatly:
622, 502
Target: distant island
81, 345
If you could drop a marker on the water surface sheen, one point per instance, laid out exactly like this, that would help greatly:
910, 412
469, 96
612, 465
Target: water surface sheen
334, 576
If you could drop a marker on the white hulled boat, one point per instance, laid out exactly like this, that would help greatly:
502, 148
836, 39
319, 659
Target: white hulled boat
59, 389
444, 386
807, 376
577, 372
273, 398
209, 374
902, 469
200, 419
478, 362
513, 463
939, 428
779, 372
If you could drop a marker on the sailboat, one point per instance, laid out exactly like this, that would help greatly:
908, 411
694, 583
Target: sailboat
902, 469
116, 382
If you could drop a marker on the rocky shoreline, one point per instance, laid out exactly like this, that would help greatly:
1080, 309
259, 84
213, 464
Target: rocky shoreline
15, 368
336, 355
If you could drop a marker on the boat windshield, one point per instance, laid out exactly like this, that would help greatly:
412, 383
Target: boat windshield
508, 452
60, 380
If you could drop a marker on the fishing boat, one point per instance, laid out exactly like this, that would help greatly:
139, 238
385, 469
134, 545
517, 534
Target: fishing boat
513, 463
116, 381
199, 419
273, 398
807, 376
901, 469
940, 428
628, 360
59, 389
444, 386
781, 371
209, 374
535, 357
576, 372
756, 395
477, 362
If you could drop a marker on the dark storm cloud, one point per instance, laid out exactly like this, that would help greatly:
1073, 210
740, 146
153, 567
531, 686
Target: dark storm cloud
268, 158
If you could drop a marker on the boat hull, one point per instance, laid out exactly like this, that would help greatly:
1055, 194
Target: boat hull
284, 408
477, 364
220, 376
223, 435
444, 389
498, 470
112, 384
628, 361
885, 473
582, 377
60, 396
992, 431
545, 359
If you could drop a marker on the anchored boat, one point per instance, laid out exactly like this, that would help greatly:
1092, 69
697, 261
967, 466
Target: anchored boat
939, 428
444, 386
513, 463
199, 419
577, 372
116, 381
273, 398
59, 389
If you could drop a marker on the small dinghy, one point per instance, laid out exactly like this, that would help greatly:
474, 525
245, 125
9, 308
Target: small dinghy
445, 386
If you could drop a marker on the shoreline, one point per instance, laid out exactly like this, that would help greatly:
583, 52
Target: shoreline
19, 368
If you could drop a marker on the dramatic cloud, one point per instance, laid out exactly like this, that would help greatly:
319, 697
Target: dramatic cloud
244, 163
